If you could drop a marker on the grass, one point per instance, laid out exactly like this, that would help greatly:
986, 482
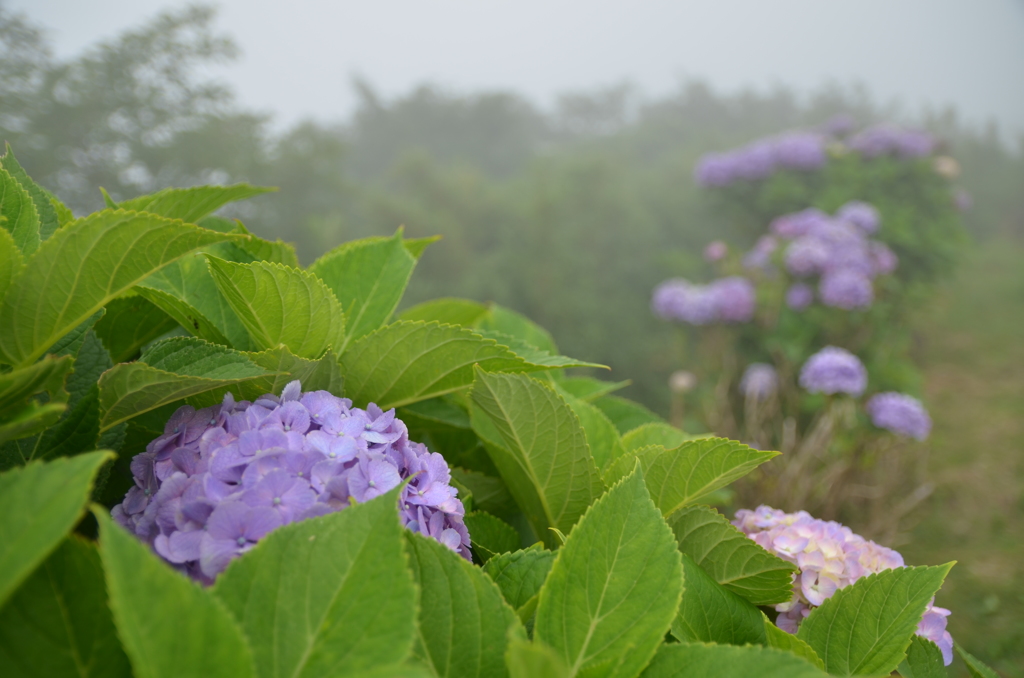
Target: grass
972, 351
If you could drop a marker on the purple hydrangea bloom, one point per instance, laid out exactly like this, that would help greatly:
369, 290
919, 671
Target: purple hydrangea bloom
760, 257
800, 151
715, 251
754, 161
883, 259
839, 125
219, 479
714, 170
734, 299
799, 223
759, 381
900, 413
829, 557
680, 300
891, 140
807, 255
861, 214
799, 296
847, 289
834, 370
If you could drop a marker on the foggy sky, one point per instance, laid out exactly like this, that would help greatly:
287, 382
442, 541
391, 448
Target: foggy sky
299, 56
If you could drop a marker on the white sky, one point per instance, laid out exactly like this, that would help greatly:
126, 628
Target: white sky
299, 56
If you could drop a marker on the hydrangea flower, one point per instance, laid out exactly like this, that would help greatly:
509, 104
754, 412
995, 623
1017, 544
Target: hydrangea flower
834, 370
678, 299
715, 251
839, 125
800, 151
861, 214
887, 139
847, 289
729, 299
219, 479
883, 259
799, 296
760, 381
795, 224
829, 557
734, 299
900, 413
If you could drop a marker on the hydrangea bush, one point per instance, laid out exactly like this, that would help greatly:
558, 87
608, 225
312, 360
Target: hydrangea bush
839, 253
217, 462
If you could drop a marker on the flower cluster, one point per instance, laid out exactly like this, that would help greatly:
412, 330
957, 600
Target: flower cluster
899, 413
760, 381
727, 300
801, 151
830, 557
837, 249
834, 370
221, 478
885, 139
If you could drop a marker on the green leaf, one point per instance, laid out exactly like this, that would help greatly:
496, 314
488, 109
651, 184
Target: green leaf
975, 667
404, 362
490, 535
322, 374
129, 324
590, 389
20, 216
48, 222
533, 355
711, 613
328, 596
489, 493
731, 558
447, 311
27, 421
21, 384
623, 466
534, 660
464, 624
781, 640
64, 214
508, 322
626, 554
542, 454
654, 433
169, 371
865, 628
625, 414
186, 291
58, 623
108, 252
696, 660
416, 246
520, 574
281, 305
11, 261
602, 438
923, 660
77, 432
40, 503
170, 626
683, 475
192, 204
276, 252
368, 277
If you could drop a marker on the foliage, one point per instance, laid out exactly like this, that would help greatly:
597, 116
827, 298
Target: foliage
604, 575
